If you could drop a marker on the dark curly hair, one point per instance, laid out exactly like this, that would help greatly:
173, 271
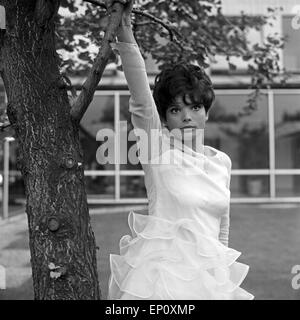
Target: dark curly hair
182, 79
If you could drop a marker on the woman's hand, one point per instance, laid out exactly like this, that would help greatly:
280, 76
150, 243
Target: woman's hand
128, 6
126, 18
124, 33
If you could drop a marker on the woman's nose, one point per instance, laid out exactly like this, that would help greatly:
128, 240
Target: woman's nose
186, 116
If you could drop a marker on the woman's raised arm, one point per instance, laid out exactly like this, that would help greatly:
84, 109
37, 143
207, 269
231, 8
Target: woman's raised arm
141, 104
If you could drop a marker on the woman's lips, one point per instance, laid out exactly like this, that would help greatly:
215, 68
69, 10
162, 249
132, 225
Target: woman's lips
188, 127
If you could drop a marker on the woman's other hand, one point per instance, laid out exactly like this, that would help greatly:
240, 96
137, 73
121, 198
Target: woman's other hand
125, 33
128, 6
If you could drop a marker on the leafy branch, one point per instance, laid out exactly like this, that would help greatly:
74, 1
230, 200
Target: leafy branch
88, 89
197, 32
172, 31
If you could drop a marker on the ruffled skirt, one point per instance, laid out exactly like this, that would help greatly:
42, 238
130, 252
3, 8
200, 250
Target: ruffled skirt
165, 260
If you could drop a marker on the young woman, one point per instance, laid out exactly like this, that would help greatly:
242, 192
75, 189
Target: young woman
180, 249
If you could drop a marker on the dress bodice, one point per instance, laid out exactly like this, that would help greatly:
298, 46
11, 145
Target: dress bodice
194, 186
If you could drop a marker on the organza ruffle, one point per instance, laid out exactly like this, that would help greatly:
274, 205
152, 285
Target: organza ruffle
165, 260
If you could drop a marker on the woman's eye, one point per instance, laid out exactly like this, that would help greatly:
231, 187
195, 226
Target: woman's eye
198, 107
174, 110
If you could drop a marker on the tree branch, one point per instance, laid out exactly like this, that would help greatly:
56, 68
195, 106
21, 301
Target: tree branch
143, 23
97, 3
45, 11
88, 89
166, 25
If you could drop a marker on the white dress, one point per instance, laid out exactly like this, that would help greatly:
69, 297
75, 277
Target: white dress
180, 249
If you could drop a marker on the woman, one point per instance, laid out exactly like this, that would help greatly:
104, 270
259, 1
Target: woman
180, 250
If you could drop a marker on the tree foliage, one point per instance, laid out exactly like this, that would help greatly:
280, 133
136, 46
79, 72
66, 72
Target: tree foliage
203, 32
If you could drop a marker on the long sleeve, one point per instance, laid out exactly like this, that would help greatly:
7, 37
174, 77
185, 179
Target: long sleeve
225, 219
142, 107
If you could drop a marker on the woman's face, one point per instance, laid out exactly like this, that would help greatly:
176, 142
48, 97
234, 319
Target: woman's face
180, 115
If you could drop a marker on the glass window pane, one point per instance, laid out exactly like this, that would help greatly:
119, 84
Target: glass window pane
124, 108
2, 99
249, 186
244, 138
16, 190
287, 130
100, 187
132, 187
99, 115
2, 94
124, 131
287, 185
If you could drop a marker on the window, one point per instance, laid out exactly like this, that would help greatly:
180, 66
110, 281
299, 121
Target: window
2, 92
124, 149
244, 138
250, 186
99, 115
287, 131
132, 187
287, 185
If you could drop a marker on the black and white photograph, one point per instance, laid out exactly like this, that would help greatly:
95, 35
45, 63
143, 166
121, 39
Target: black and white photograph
150, 150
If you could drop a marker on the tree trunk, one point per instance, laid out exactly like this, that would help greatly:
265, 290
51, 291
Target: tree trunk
62, 243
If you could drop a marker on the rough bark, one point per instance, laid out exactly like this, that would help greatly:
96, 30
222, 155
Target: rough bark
62, 243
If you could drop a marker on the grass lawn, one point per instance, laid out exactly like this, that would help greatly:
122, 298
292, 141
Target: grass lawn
268, 238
